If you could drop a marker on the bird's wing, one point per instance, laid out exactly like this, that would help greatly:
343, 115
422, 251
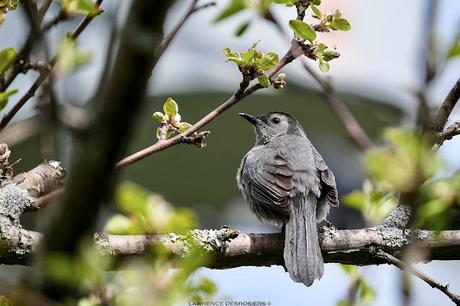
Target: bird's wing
327, 178
271, 185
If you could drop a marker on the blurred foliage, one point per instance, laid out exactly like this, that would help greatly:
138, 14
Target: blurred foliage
454, 50
157, 278
408, 164
375, 204
7, 56
147, 213
4, 301
438, 198
5, 96
407, 161
70, 57
5, 6
362, 293
82, 7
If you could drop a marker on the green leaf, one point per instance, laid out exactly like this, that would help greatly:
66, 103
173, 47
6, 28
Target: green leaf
7, 57
356, 200
122, 225
69, 57
159, 116
323, 65
234, 7
183, 126
329, 54
242, 28
340, 24
268, 61
264, 80
320, 49
83, 7
4, 97
8, 4
170, 108
131, 199
233, 56
316, 10
366, 293
349, 269
158, 133
316, 2
248, 56
454, 50
408, 159
302, 30
180, 221
207, 286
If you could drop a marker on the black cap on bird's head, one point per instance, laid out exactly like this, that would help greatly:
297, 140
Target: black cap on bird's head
273, 124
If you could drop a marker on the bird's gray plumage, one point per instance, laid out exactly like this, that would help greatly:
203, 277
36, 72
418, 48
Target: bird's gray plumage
286, 182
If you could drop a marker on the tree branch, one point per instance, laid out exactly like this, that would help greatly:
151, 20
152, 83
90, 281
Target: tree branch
357, 247
43, 75
194, 7
349, 122
447, 134
235, 98
444, 288
92, 175
446, 108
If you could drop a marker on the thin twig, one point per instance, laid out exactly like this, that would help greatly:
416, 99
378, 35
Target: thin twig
427, 279
446, 108
162, 145
63, 15
43, 74
447, 134
194, 7
350, 123
26, 49
46, 199
44, 8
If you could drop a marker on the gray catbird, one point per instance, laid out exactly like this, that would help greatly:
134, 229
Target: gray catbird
286, 182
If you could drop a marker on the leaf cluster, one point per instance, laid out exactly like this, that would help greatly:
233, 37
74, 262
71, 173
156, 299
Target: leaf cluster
253, 63
144, 212
170, 120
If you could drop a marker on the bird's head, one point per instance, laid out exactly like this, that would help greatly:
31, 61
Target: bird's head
273, 124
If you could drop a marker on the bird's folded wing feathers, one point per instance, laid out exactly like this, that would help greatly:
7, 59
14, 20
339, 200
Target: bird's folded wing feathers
271, 185
327, 178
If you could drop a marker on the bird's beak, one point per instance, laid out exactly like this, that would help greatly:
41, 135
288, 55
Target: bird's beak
252, 119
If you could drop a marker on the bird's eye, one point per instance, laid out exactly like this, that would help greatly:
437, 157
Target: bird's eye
276, 120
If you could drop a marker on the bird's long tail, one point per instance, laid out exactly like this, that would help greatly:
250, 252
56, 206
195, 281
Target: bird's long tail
302, 254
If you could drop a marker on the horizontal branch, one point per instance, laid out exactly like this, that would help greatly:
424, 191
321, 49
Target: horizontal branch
231, 249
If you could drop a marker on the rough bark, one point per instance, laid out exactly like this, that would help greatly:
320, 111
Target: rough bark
18, 195
230, 249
